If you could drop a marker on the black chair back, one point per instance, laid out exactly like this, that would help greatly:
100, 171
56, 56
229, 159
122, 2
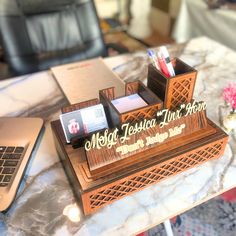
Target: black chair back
39, 34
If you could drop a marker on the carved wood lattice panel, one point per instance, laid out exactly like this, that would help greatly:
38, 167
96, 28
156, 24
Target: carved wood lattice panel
133, 183
145, 113
181, 92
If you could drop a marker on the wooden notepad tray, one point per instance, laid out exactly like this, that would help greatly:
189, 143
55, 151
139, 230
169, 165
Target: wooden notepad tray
116, 118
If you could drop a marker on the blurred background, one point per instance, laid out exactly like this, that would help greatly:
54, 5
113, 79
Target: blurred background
126, 26
157, 22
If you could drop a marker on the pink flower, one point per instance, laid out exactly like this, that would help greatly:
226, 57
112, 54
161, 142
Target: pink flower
233, 101
229, 94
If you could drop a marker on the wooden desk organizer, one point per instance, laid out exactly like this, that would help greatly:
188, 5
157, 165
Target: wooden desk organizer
199, 141
116, 118
175, 90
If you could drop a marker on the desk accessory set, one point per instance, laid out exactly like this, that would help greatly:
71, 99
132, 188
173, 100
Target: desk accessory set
165, 135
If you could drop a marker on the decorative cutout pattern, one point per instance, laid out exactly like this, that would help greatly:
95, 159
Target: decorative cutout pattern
131, 88
109, 93
144, 178
181, 92
80, 105
144, 113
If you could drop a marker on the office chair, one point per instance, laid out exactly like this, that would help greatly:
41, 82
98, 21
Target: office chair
39, 34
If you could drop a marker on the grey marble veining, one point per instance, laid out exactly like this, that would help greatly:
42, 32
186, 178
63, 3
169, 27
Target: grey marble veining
38, 209
31, 95
45, 191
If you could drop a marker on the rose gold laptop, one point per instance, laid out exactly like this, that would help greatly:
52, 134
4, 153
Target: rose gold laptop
18, 137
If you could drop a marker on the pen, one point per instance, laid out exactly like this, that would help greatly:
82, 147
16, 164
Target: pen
166, 57
154, 58
163, 65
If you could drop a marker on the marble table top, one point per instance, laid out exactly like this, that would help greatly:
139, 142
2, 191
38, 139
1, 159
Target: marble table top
42, 203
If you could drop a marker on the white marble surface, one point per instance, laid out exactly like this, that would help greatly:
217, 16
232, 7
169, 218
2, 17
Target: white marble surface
45, 192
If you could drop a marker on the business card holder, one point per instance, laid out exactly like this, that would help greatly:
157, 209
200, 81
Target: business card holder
78, 141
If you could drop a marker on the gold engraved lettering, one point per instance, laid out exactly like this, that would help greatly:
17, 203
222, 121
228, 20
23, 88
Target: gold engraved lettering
98, 140
170, 116
137, 128
130, 148
109, 139
195, 107
176, 130
158, 138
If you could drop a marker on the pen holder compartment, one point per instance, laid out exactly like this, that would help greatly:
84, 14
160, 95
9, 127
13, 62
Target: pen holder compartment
115, 118
175, 90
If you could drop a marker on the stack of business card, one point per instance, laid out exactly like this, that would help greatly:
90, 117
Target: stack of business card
129, 103
84, 121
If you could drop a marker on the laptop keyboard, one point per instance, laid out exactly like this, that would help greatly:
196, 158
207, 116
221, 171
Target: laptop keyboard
10, 157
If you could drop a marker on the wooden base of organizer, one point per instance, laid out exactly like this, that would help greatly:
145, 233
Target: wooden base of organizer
96, 191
